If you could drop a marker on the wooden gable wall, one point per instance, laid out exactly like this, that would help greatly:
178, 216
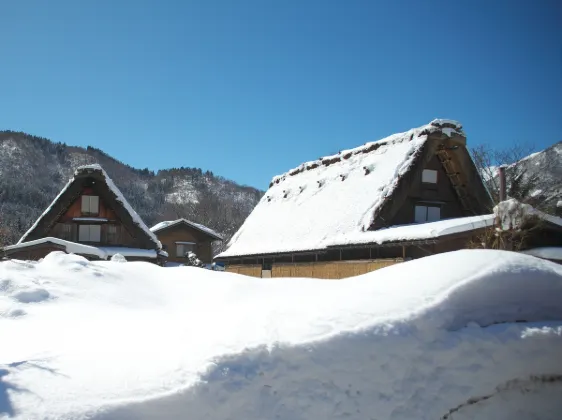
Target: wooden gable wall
67, 228
441, 194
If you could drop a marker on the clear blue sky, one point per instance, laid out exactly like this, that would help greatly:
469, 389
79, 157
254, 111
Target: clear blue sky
250, 89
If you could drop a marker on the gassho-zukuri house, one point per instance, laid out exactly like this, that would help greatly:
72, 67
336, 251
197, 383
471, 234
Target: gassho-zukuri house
406, 196
89, 217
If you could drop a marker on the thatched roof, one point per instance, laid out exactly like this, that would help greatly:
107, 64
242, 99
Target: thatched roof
318, 203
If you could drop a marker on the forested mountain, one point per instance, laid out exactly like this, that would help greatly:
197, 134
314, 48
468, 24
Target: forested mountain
33, 170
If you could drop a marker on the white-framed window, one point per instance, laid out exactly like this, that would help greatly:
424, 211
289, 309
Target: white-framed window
429, 176
182, 248
89, 233
90, 205
427, 213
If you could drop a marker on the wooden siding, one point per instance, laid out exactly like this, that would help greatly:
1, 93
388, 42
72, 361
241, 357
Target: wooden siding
253, 270
75, 209
330, 270
184, 233
122, 236
318, 270
420, 193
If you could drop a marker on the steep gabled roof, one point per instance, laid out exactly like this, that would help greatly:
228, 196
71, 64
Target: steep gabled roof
107, 190
309, 206
171, 223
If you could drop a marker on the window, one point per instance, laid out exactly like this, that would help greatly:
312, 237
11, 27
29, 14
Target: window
66, 231
90, 205
112, 234
182, 248
429, 176
427, 214
89, 233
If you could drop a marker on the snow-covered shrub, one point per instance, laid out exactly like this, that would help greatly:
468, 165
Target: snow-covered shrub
118, 258
192, 260
515, 223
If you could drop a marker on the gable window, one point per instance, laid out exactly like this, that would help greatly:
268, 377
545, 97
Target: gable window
182, 248
89, 233
429, 176
112, 234
90, 205
425, 213
66, 231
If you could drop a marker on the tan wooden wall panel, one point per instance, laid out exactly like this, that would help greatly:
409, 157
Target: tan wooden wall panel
318, 270
253, 270
330, 270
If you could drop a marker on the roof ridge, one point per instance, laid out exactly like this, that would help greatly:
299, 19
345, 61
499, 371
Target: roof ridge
445, 126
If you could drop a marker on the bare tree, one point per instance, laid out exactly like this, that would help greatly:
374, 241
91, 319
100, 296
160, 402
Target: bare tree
522, 180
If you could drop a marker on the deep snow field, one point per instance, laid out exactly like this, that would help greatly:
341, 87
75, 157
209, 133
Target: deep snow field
470, 334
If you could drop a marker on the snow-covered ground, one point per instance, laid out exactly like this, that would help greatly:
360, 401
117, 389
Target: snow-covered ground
468, 334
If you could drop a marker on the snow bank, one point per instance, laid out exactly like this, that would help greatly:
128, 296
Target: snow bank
416, 340
548, 252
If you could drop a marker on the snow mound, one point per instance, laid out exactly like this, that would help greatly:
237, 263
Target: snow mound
412, 341
31, 295
548, 252
118, 258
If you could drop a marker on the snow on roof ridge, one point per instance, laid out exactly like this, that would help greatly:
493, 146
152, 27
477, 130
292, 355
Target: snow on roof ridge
441, 122
166, 223
95, 166
445, 126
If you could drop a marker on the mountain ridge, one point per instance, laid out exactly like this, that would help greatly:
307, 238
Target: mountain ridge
33, 169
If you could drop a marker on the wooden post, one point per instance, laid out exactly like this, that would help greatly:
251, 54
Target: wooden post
501, 176
404, 252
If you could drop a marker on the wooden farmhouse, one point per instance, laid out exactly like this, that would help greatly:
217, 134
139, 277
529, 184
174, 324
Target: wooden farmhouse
89, 217
406, 196
179, 237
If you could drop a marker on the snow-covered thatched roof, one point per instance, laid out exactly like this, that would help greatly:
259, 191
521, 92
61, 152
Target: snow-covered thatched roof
332, 197
81, 172
170, 223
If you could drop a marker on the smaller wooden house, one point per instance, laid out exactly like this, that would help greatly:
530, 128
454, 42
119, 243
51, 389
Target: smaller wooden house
89, 217
181, 236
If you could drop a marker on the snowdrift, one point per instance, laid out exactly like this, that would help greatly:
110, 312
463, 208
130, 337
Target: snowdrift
468, 334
